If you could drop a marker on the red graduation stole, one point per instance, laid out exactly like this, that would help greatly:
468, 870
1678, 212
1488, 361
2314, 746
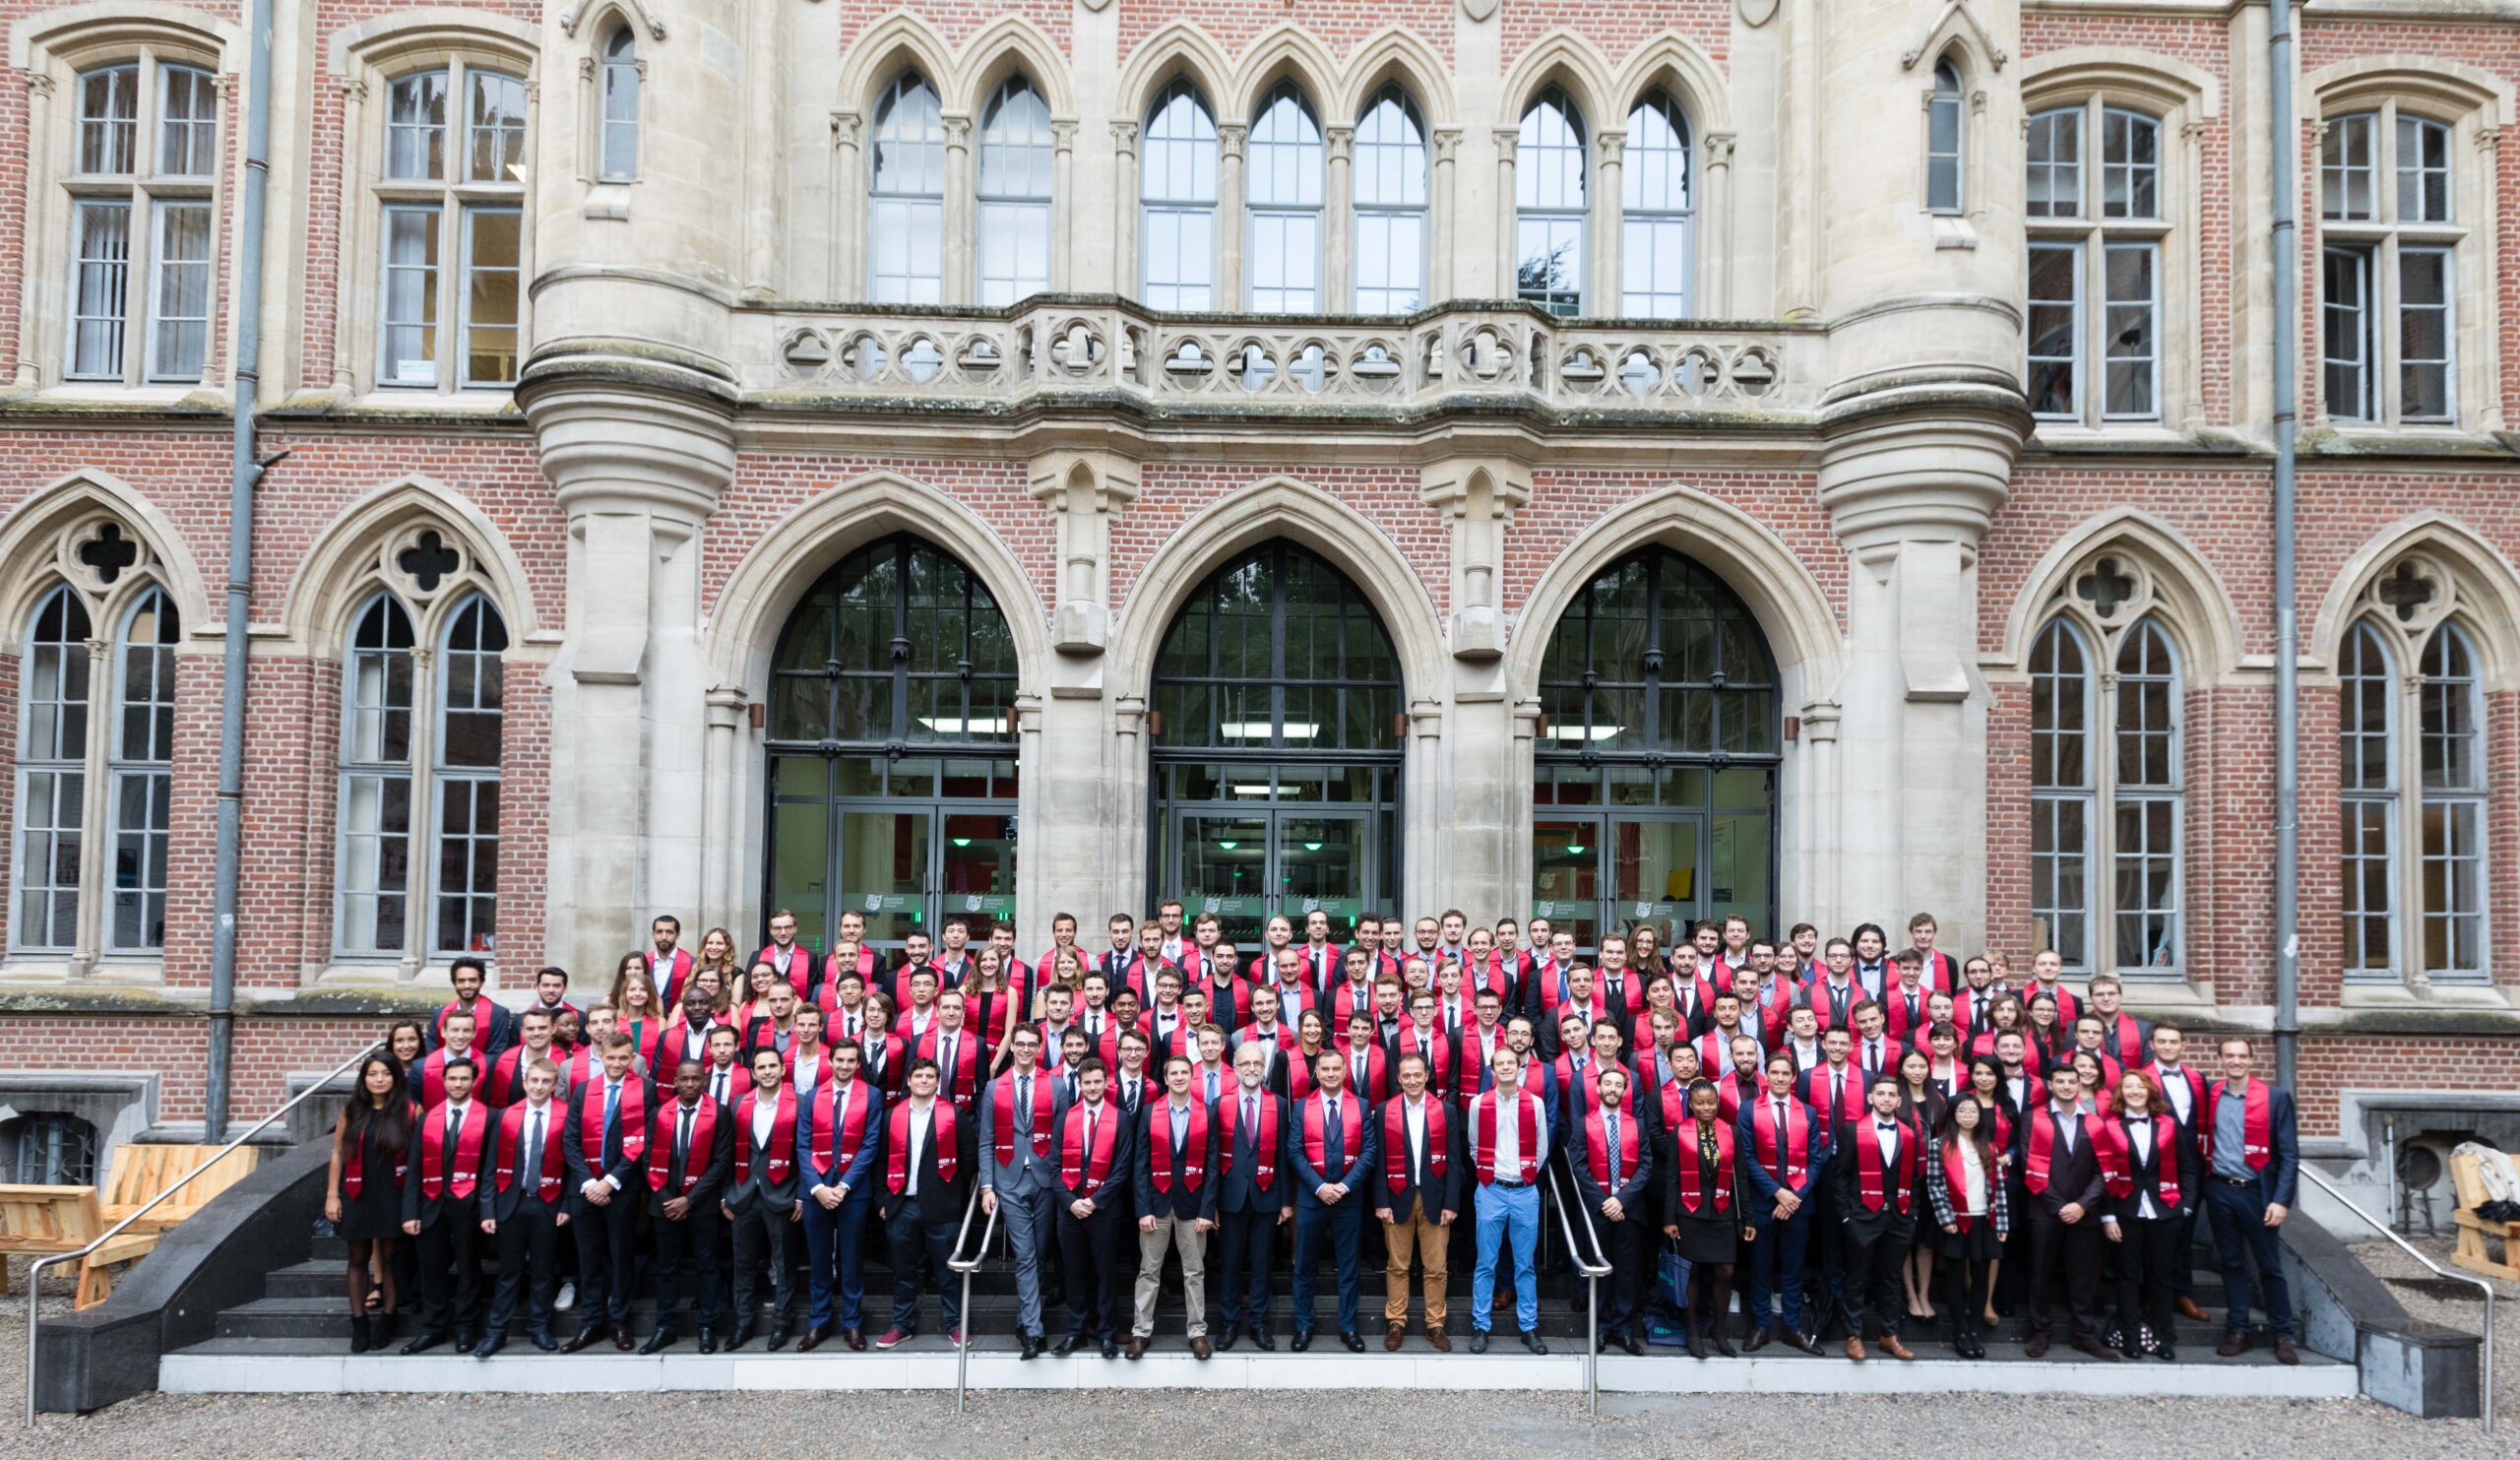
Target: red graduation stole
1596, 1138
853, 1132
479, 1008
1194, 1145
2257, 1121
511, 1141
1430, 1045
354, 1163
1310, 1119
865, 965
2043, 1145
1714, 1051
2129, 1039
1691, 1195
1072, 1165
1798, 1137
507, 1077
1851, 1102
783, 1135
1490, 978
1264, 1145
966, 1060
1395, 1140
2114, 1149
1045, 1099
433, 1074
675, 971
634, 1118
1955, 1175
704, 1132
468, 1150
1867, 1164
1350, 999
1526, 1134
940, 1134
2067, 1008
798, 964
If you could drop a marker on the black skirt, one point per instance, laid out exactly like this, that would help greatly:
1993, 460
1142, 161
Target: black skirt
1975, 1242
377, 1210
1710, 1238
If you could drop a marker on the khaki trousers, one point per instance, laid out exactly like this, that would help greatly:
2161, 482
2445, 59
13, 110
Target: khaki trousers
1416, 1230
1182, 1232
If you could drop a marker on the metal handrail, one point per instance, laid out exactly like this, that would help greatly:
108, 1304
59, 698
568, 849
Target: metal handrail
2485, 1377
34, 1288
1593, 1270
968, 1266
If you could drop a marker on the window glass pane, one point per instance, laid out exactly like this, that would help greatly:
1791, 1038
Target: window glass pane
2367, 884
490, 295
1549, 190
109, 119
1179, 194
415, 127
409, 333
2366, 699
469, 688
51, 811
2423, 170
2056, 164
2450, 737
2060, 710
180, 323
2454, 887
2344, 333
2423, 333
2059, 875
137, 919
144, 682
2347, 170
1654, 255
2132, 344
620, 147
1284, 193
1942, 141
2056, 310
909, 192
100, 283
1389, 176
2131, 164
187, 121
497, 127
2147, 884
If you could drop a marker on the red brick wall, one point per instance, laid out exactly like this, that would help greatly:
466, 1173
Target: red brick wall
267, 1053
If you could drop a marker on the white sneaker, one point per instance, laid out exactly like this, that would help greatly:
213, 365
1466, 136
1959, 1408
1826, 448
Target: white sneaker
566, 1298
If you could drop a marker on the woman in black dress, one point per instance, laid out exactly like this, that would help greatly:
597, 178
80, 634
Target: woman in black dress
1966, 1187
363, 1188
1921, 1102
1704, 1199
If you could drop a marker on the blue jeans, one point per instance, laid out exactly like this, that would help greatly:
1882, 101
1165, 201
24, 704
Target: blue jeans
1778, 1249
1344, 1225
835, 1264
1507, 1211
2242, 1240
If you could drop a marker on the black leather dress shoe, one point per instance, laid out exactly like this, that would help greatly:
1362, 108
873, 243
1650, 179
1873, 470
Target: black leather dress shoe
1225, 1340
1303, 1339
740, 1337
1111, 1347
708, 1339
425, 1340
584, 1338
491, 1345
542, 1339
1531, 1341
1261, 1339
812, 1339
657, 1341
1479, 1339
855, 1338
1030, 1345
1067, 1344
779, 1337
1354, 1343
621, 1339
1627, 1343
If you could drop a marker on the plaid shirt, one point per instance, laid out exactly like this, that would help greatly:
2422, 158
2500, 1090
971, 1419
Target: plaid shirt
1938, 1189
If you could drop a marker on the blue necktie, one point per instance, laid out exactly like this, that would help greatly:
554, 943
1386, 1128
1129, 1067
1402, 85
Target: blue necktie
611, 1105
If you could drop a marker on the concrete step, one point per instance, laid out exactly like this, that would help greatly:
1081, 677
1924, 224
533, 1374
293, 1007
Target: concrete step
282, 1365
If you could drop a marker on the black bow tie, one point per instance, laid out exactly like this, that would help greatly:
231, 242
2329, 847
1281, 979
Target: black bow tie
1885, 1126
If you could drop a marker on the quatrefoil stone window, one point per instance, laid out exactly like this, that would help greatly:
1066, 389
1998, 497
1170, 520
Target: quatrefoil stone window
100, 552
422, 561
2414, 594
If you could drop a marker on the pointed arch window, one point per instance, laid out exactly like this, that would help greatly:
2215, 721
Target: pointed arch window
1390, 175
1946, 128
2107, 811
419, 779
1284, 207
617, 150
2412, 786
907, 215
1016, 172
1550, 180
1656, 212
1177, 201
142, 748
52, 775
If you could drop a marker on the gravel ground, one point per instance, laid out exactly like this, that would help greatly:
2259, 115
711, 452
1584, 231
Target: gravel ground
1234, 1425
2457, 1305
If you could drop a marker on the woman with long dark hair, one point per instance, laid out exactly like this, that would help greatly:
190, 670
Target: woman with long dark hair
1708, 1207
363, 1190
1967, 1188
1921, 1102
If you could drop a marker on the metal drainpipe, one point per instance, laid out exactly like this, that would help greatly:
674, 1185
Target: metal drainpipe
2288, 689
243, 475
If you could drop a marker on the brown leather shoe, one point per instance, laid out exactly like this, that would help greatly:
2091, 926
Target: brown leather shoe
2035, 1346
1438, 1341
855, 1338
1200, 1348
621, 1340
2233, 1344
1855, 1347
812, 1339
2285, 1353
1891, 1345
1137, 1346
2092, 1348
2186, 1308
584, 1339
1391, 1338
1758, 1340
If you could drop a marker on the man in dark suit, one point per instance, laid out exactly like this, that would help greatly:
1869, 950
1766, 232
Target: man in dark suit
1019, 1179
607, 1133
441, 1202
1095, 1156
2252, 1162
1876, 1172
1331, 1148
1612, 1158
1255, 1197
763, 1198
1417, 1194
837, 1139
2052, 1146
526, 1207
688, 1165
929, 1149
1177, 1202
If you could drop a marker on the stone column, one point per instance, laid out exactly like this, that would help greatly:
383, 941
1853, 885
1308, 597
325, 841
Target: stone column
1609, 239
1338, 224
1062, 203
29, 370
848, 207
722, 859
1716, 243
1507, 138
1227, 295
1126, 280
1478, 833
961, 222
1078, 767
1443, 218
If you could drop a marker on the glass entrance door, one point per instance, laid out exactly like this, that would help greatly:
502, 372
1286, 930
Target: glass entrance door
1596, 870
884, 864
1249, 864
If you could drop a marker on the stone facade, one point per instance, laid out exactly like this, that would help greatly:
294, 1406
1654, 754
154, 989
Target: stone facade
699, 414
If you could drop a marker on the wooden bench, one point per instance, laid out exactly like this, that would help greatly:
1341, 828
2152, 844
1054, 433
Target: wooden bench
2475, 1230
141, 1172
42, 1221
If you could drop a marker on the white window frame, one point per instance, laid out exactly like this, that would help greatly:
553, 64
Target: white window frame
1284, 189
2378, 239
1640, 224
916, 202
1947, 95
2080, 218
1390, 208
1016, 220
619, 72
147, 193
1540, 202
70, 762
150, 766
1178, 200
